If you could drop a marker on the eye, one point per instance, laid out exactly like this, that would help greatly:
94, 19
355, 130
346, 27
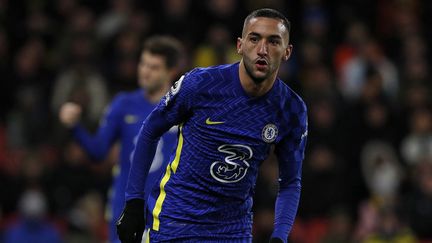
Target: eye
253, 39
274, 42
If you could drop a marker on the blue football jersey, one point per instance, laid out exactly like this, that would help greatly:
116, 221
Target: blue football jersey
122, 122
224, 134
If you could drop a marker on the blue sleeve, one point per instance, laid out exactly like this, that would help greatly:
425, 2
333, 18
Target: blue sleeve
173, 109
98, 145
290, 154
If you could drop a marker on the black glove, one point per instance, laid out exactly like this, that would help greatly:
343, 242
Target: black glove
131, 224
276, 240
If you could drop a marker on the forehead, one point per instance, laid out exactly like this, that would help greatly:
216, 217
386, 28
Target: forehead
266, 27
149, 57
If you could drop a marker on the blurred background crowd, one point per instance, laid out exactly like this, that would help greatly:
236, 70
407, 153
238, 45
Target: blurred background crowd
362, 66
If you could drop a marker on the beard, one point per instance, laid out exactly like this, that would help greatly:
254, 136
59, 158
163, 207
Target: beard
249, 70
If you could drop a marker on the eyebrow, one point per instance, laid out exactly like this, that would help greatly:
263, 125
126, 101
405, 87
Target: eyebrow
271, 36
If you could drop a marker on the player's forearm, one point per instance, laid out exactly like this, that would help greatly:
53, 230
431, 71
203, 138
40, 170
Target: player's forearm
142, 158
96, 147
290, 169
290, 154
148, 137
285, 211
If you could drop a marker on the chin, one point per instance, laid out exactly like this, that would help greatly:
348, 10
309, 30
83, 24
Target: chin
260, 78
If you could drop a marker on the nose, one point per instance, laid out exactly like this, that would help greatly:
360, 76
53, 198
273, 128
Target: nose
262, 48
145, 68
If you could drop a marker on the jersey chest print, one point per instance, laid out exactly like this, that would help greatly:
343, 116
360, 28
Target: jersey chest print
235, 165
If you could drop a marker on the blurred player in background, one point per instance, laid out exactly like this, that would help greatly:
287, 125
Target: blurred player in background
158, 67
230, 118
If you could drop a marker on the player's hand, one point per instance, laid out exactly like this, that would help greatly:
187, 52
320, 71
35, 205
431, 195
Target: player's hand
276, 240
131, 224
70, 114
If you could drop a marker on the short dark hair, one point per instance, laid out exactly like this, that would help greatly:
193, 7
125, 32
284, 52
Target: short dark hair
167, 47
268, 13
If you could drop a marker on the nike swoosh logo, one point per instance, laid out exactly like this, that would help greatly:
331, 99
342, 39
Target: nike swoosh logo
130, 119
208, 122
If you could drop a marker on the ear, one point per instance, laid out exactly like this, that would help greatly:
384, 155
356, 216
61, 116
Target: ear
239, 46
287, 53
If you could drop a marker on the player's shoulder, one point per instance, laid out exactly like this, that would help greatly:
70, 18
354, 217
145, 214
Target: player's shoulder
212, 70
211, 73
126, 97
289, 99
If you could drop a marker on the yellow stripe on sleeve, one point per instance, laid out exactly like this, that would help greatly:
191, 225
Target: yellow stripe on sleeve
147, 236
170, 167
178, 150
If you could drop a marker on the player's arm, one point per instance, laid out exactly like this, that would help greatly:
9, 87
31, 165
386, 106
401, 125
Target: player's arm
131, 224
173, 109
95, 145
290, 154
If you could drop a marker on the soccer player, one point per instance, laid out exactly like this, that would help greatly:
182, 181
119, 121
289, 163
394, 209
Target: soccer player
158, 66
230, 117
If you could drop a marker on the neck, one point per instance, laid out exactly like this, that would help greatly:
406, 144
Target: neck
155, 95
252, 88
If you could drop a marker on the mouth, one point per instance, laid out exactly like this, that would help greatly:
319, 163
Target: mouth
261, 63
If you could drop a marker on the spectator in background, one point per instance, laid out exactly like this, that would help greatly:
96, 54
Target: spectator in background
318, 83
217, 48
78, 21
81, 83
121, 61
356, 34
177, 18
225, 13
114, 19
417, 145
120, 52
86, 220
325, 120
324, 182
372, 114
315, 22
416, 96
63, 10
390, 228
339, 228
72, 179
312, 54
382, 172
120, 30
414, 61
379, 218
27, 123
354, 73
417, 205
32, 224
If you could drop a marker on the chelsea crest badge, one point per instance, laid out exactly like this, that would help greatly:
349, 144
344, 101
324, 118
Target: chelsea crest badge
269, 133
